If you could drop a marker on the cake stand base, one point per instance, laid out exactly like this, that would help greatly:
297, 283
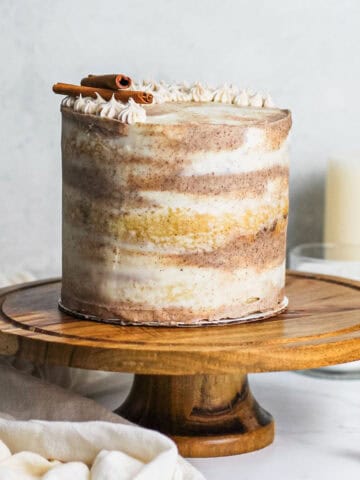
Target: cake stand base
206, 415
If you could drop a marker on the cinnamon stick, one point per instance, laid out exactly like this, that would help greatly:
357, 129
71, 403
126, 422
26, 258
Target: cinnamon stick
113, 81
106, 94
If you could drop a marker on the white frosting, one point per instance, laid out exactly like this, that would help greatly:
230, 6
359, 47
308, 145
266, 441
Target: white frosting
268, 102
163, 92
92, 104
178, 93
68, 102
80, 103
256, 100
132, 113
88, 104
223, 94
161, 95
242, 99
149, 86
110, 109
197, 92
200, 93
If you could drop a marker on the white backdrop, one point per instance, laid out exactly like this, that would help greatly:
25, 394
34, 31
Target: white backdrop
306, 53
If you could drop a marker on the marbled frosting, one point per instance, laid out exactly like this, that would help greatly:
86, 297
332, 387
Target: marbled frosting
179, 219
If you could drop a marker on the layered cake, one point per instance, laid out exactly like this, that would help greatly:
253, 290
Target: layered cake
174, 212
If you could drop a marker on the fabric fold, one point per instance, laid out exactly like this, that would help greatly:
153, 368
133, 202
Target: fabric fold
49, 433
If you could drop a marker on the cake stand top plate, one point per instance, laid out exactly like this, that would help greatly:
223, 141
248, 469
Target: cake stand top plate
320, 327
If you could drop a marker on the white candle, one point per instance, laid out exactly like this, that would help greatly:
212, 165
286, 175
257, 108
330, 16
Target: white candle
342, 224
342, 201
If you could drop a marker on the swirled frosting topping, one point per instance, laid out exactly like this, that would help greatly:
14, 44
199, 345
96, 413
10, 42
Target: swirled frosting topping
132, 112
110, 109
68, 102
223, 94
200, 93
242, 99
80, 104
85, 104
256, 100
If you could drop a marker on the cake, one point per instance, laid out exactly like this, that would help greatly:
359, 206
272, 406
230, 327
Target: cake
174, 213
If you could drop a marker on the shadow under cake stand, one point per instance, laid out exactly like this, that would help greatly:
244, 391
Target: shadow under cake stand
191, 383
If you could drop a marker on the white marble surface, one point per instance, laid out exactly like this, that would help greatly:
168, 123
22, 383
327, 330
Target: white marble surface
317, 431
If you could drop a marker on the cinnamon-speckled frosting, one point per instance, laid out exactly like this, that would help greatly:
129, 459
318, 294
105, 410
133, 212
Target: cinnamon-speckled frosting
177, 220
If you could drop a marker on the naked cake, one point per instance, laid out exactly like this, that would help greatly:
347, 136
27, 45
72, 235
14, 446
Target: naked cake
174, 212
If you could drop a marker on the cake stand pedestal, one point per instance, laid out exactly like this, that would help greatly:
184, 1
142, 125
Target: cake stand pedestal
191, 383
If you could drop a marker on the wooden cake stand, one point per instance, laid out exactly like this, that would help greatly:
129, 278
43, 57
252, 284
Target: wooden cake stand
191, 383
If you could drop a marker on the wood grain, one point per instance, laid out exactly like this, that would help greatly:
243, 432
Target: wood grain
206, 415
321, 327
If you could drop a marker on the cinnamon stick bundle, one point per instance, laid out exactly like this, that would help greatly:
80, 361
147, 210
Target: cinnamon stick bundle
122, 95
112, 81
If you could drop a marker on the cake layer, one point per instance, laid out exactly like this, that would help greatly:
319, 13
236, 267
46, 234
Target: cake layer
190, 291
103, 179
142, 314
260, 251
196, 225
162, 145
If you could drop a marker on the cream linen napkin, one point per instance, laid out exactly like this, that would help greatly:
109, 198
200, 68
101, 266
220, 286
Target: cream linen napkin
65, 431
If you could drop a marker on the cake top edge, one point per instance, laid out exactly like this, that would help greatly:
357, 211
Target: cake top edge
182, 102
